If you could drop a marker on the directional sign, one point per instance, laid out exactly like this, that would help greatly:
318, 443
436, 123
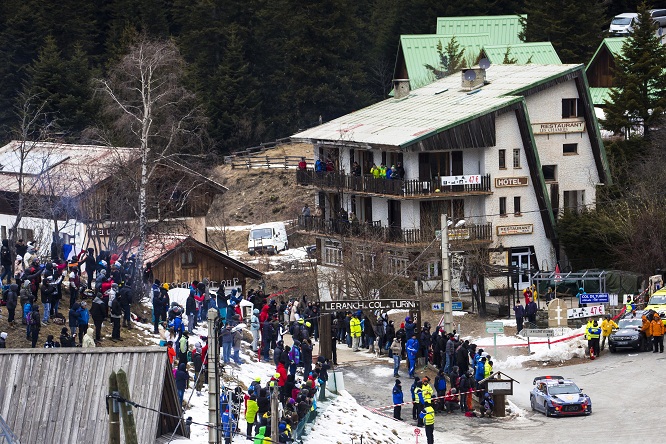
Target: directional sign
594, 298
585, 312
437, 306
538, 332
456, 306
494, 327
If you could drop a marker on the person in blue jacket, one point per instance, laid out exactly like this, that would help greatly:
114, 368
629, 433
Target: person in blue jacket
227, 424
412, 348
410, 327
398, 399
480, 370
440, 387
181, 381
233, 300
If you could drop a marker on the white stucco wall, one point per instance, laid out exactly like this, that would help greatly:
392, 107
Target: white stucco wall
574, 171
508, 138
410, 162
410, 214
380, 210
43, 229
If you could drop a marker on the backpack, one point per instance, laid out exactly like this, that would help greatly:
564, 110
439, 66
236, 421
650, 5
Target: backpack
295, 355
33, 320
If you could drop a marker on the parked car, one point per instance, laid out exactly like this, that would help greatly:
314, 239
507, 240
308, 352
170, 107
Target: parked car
557, 396
628, 333
659, 16
623, 24
268, 238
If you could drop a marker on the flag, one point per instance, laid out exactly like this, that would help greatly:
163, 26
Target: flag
557, 273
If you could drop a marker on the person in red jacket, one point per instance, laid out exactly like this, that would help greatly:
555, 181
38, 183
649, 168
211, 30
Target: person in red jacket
282, 380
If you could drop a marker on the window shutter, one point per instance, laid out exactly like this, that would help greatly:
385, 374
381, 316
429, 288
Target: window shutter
579, 107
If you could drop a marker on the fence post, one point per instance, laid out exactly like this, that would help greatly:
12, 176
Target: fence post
268, 162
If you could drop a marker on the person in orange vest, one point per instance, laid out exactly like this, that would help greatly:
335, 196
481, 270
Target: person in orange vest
657, 330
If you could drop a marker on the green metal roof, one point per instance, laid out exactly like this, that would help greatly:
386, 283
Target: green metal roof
613, 44
503, 29
419, 50
536, 52
434, 108
599, 95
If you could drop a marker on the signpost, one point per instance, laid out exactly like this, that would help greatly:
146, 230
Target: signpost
585, 312
494, 328
457, 306
537, 333
499, 385
594, 298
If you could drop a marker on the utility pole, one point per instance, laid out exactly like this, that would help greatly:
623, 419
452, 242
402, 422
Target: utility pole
214, 418
446, 277
129, 423
113, 409
274, 412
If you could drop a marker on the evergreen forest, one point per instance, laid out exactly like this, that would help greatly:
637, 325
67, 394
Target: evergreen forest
259, 69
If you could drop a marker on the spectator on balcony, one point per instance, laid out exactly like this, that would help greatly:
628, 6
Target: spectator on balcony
306, 211
318, 212
330, 166
399, 171
302, 165
382, 171
320, 166
356, 169
375, 171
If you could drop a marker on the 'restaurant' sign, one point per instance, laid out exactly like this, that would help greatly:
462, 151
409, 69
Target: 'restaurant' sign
504, 230
501, 182
558, 127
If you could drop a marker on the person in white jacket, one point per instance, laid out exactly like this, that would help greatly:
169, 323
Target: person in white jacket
254, 328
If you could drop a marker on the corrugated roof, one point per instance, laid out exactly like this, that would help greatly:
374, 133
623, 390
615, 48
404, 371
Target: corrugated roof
613, 44
434, 108
67, 169
421, 50
59, 395
503, 29
599, 95
535, 52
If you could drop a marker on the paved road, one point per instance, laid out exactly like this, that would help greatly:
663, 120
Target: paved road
625, 388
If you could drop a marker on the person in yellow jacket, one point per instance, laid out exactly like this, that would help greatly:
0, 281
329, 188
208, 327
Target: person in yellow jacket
375, 171
251, 414
355, 330
593, 333
382, 171
428, 416
657, 330
646, 331
607, 326
587, 329
427, 390
488, 368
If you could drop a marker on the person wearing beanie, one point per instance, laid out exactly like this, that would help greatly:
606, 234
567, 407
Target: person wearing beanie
398, 399
65, 339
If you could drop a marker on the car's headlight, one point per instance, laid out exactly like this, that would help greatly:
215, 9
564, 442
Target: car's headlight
556, 401
634, 337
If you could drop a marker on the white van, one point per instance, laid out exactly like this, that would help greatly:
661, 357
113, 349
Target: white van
268, 238
623, 24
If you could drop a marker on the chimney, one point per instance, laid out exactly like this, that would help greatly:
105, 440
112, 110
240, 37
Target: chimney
400, 88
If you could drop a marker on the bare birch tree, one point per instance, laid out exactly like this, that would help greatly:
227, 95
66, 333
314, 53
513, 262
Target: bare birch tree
151, 109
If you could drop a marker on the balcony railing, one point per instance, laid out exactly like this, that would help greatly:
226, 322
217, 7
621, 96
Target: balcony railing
393, 187
375, 232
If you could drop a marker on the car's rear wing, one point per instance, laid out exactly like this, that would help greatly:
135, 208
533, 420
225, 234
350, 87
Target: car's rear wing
546, 377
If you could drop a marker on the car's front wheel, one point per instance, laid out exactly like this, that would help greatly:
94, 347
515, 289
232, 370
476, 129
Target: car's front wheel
545, 407
612, 349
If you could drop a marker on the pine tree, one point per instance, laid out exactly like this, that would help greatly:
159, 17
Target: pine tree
451, 59
639, 95
233, 105
574, 27
508, 60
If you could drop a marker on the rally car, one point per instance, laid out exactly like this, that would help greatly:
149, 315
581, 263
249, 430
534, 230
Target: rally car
556, 396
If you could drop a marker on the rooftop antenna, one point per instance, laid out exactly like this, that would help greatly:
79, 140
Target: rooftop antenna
470, 75
484, 63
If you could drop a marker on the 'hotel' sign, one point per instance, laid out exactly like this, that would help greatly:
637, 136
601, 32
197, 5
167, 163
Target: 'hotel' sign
501, 182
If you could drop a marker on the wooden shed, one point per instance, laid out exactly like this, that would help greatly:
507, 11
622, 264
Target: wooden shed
182, 259
59, 395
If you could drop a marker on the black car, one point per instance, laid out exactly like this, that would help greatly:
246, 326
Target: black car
628, 334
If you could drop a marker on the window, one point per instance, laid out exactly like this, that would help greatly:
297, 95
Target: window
502, 206
549, 173
571, 108
516, 158
4, 232
570, 148
502, 159
574, 200
516, 205
187, 259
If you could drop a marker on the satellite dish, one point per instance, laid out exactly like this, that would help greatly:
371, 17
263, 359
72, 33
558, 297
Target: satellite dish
484, 63
470, 75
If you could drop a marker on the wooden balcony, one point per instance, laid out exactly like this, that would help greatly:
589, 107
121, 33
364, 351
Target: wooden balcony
473, 233
369, 185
